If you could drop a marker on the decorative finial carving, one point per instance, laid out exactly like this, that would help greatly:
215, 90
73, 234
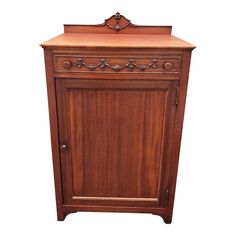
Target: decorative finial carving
117, 22
117, 17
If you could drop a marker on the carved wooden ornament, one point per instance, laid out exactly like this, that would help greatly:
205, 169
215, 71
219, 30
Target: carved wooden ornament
117, 22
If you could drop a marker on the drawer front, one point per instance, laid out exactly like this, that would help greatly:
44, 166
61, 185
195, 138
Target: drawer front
117, 64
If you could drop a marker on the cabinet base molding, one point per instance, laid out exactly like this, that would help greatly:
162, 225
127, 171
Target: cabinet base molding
68, 209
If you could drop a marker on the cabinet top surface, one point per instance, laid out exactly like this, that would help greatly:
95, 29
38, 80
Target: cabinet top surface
116, 32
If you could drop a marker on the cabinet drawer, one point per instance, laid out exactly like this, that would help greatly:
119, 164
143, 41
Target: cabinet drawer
117, 64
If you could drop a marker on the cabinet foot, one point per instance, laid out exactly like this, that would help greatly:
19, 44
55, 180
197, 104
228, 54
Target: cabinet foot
61, 215
167, 219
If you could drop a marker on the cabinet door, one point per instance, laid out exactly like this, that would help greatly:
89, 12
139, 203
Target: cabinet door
115, 141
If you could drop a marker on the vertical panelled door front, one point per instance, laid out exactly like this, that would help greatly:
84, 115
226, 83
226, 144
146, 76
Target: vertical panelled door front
114, 136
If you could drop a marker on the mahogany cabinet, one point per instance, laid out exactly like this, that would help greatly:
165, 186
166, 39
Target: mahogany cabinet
116, 95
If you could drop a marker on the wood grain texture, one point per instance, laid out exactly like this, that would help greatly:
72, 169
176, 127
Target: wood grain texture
95, 29
105, 64
115, 138
117, 23
73, 40
113, 128
101, 36
116, 132
178, 134
54, 132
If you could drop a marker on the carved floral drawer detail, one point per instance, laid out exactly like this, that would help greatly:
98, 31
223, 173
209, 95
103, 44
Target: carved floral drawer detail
130, 64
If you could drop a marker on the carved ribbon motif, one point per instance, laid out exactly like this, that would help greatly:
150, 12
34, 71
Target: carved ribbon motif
103, 64
117, 17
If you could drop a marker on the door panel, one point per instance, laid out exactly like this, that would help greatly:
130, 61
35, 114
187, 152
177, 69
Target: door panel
115, 132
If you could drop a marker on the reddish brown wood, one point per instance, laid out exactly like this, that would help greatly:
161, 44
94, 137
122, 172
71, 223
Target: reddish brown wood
115, 24
177, 134
116, 96
137, 29
54, 132
131, 64
124, 122
74, 40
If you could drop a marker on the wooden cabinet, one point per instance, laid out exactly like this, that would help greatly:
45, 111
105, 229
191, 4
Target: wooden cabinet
116, 96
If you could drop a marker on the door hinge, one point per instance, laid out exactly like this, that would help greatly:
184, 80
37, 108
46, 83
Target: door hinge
167, 197
177, 96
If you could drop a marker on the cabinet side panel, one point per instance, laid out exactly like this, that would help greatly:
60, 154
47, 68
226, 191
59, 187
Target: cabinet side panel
54, 131
178, 133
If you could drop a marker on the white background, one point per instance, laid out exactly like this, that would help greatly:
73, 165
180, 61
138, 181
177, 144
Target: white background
205, 198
